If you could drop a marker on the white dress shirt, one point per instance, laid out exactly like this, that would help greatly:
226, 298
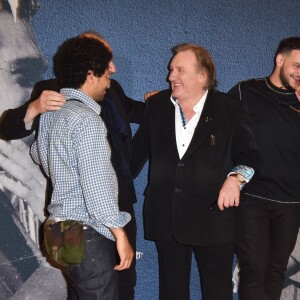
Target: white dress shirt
184, 133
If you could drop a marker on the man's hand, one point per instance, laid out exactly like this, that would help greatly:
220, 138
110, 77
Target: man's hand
47, 101
149, 94
124, 249
229, 194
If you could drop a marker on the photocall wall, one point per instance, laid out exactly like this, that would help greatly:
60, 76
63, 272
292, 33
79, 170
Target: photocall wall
241, 36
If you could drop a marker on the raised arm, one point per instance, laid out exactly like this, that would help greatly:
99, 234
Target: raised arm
20, 122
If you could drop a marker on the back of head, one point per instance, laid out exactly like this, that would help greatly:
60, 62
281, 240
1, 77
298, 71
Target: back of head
78, 55
92, 35
204, 62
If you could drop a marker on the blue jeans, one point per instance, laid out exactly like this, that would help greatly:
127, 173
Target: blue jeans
95, 278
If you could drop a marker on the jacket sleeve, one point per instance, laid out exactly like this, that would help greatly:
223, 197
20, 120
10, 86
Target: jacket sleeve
134, 109
141, 143
12, 126
244, 142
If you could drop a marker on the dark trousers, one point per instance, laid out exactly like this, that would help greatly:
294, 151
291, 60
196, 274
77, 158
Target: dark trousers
95, 278
127, 278
266, 234
214, 265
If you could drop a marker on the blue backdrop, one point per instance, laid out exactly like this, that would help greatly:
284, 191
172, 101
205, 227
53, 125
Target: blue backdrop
241, 36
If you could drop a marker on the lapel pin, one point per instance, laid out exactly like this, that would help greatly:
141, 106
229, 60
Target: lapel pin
212, 140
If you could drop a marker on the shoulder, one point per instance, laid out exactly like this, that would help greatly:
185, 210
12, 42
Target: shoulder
250, 83
158, 107
75, 112
225, 104
115, 87
114, 84
78, 118
159, 101
223, 99
247, 86
163, 96
78, 109
254, 82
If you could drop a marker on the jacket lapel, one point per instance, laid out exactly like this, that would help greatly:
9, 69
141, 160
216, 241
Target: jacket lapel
204, 125
169, 126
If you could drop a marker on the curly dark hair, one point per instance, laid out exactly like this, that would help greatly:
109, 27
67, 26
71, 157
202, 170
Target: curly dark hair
76, 56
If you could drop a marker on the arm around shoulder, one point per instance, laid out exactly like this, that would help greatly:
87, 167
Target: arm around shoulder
12, 125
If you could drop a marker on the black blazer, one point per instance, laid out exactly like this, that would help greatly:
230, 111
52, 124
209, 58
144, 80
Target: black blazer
180, 191
130, 111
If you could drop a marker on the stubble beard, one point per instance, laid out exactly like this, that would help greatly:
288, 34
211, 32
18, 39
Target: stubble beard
284, 80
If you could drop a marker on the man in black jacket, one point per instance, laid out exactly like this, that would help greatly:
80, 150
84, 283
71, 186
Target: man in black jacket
118, 112
194, 137
267, 221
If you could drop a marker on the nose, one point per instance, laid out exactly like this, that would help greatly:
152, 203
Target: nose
171, 75
112, 67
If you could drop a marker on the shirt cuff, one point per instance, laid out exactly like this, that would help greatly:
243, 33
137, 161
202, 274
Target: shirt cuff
246, 172
117, 221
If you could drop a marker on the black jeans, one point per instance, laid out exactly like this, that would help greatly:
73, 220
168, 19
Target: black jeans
265, 236
95, 278
214, 264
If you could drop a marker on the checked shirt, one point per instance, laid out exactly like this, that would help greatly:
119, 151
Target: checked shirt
73, 150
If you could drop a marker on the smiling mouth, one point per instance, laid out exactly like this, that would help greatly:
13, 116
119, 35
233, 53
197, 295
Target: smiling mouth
177, 85
296, 78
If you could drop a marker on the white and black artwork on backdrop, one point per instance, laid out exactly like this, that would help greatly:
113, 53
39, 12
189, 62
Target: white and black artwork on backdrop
23, 270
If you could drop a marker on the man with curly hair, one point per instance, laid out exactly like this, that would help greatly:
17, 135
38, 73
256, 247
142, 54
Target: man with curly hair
118, 111
74, 152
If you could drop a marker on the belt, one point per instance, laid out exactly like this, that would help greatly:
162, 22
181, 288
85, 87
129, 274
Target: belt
86, 227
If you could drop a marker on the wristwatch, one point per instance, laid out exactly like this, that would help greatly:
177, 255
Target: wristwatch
240, 179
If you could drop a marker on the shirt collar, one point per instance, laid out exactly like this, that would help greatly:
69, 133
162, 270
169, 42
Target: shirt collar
76, 94
198, 107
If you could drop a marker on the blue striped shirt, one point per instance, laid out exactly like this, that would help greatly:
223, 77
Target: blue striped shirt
73, 150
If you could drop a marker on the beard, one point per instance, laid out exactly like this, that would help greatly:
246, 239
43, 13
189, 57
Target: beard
284, 80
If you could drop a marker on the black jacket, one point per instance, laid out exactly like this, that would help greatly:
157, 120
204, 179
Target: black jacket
180, 191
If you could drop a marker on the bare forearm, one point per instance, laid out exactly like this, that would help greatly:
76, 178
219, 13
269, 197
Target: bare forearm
32, 112
47, 101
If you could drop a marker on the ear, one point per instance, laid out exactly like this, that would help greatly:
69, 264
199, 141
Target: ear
90, 77
202, 78
279, 60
